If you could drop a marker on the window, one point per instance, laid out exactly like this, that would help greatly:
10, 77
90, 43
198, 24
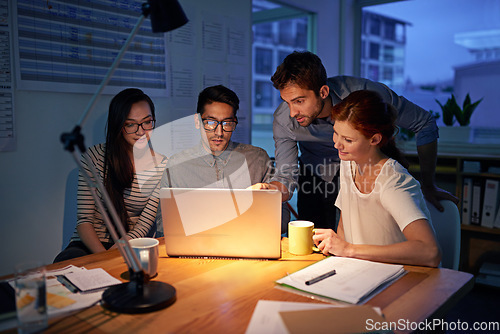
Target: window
264, 32
373, 72
269, 51
375, 26
426, 63
374, 51
388, 53
263, 61
387, 76
278, 31
400, 33
286, 33
263, 94
390, 30
281, 56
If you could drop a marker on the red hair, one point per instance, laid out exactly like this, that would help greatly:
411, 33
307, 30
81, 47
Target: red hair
369, 114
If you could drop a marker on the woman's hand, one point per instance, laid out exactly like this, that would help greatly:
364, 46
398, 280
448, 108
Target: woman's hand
115, 246
328, 242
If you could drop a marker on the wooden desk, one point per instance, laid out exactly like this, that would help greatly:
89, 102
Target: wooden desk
219, 296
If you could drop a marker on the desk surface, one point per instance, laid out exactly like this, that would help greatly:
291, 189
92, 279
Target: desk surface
219, 296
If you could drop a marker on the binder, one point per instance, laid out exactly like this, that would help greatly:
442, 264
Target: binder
476, 202
496, 223
466, 200
490, 203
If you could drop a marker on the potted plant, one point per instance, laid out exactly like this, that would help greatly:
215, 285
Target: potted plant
451, 112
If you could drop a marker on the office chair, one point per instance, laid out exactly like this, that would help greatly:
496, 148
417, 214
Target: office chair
70, 207
447, 227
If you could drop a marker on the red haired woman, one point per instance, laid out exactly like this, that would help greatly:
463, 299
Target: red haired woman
383, 213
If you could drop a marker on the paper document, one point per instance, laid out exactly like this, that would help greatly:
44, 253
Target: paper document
353, 281
351, 319
266, 315
93, 279
60, 300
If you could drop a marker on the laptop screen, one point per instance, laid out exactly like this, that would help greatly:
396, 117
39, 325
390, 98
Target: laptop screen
221, 222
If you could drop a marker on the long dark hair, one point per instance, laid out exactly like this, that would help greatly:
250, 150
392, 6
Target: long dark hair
118, 166
367, 112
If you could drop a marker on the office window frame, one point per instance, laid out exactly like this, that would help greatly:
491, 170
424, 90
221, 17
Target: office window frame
278, 14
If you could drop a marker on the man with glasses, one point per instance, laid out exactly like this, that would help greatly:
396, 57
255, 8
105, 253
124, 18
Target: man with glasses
218, 162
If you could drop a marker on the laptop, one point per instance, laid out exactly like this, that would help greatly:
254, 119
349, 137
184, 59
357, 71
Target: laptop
221, 223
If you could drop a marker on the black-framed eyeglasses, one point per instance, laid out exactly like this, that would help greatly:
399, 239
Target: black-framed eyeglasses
134, 127
212, 124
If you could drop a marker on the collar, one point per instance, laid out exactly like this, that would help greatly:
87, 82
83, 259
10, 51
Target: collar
325, 120
221, 158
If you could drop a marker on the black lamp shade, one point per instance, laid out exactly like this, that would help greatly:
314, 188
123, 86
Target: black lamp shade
166, 15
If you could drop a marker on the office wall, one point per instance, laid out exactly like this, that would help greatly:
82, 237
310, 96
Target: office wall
480, 80
34, 176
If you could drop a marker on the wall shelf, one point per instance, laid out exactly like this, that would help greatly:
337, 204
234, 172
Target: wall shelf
479, 244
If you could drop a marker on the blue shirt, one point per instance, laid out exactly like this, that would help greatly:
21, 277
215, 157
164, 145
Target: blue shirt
315, 141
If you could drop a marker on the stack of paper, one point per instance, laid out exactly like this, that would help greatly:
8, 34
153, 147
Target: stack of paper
91, 280
277, 317
61, 300
354, 280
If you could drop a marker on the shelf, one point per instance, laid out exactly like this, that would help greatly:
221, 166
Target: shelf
481, 229
439, 169
484, 175
463, 150
479, 243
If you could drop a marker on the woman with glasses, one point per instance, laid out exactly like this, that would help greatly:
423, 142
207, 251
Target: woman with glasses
130, 171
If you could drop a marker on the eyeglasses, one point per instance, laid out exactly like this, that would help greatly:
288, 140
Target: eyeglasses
134, 127
211, 125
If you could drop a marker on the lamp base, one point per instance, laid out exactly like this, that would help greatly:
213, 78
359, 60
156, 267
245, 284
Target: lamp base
125, 297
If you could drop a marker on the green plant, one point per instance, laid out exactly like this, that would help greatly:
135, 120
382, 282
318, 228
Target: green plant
451, 110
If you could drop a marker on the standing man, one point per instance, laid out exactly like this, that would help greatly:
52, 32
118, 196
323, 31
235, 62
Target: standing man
303, 122
218, 162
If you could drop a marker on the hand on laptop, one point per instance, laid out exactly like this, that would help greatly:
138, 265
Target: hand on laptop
259, 186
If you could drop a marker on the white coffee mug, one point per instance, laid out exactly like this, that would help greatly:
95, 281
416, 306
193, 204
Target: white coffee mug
147, 252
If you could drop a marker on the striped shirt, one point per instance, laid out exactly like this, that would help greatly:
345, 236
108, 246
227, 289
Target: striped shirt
141, 200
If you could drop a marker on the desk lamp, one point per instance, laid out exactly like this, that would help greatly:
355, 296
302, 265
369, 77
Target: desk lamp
139, 295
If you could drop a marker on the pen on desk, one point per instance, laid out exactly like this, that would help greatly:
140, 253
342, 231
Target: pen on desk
321, 277
67, 283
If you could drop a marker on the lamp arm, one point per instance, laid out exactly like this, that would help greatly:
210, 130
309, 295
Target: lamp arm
111, 70
122, 243
75, 138
135, 296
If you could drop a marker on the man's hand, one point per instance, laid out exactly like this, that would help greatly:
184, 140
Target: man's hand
434, 195
259, 186
427, 155
285, 195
